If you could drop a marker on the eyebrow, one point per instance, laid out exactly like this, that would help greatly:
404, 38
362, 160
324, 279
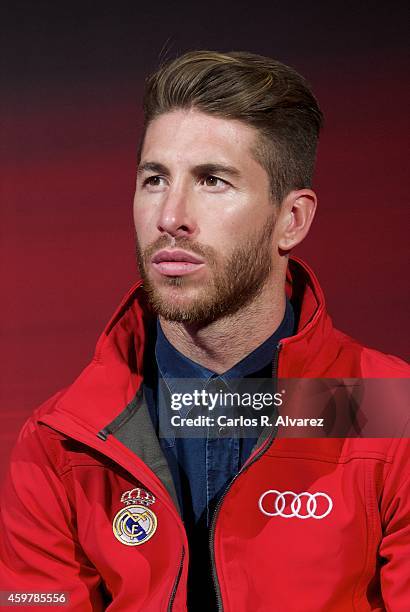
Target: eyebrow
152, 167
199, 170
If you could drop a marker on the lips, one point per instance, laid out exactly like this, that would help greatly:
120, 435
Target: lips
176, 262
176, 255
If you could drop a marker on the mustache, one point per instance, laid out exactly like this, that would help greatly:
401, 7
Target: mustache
168, 242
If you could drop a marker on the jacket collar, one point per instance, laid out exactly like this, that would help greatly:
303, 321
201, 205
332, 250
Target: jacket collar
313, 348
111, 381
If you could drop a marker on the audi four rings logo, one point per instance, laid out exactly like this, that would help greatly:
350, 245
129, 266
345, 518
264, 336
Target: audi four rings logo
300, 505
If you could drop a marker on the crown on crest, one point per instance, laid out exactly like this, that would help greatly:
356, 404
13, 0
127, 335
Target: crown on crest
137, 495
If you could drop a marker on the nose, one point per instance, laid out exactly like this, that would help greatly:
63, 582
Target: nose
177, 215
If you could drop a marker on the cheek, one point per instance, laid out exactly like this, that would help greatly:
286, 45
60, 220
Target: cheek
254, 205
235, 223
144, 224
223, 218
138, 212
135, 212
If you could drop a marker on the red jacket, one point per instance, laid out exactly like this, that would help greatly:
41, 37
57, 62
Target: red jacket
346, 545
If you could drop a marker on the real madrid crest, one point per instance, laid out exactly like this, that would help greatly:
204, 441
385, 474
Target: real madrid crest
136, 523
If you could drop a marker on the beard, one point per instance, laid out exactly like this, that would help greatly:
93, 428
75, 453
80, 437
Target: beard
235, 281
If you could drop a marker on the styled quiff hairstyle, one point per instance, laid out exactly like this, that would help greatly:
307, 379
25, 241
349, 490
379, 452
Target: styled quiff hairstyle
260, 92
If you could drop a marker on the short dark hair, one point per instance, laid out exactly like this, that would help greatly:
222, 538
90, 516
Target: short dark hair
260, 92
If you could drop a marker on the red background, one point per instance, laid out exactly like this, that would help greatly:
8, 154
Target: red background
71, 120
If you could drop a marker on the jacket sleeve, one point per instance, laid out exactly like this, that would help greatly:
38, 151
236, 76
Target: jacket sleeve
39, 551
395, 545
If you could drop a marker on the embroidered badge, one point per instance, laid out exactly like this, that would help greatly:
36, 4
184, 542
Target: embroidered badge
136, 523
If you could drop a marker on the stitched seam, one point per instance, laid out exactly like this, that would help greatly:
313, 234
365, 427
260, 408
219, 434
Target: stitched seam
369, 507
329, 459
54, 456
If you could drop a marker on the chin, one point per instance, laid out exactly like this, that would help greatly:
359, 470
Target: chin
177, 304
182, 297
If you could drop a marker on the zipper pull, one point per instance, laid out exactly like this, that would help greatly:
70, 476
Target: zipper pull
103, 434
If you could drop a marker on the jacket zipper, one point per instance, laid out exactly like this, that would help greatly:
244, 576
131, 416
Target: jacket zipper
103, 435
176, 583
265, 446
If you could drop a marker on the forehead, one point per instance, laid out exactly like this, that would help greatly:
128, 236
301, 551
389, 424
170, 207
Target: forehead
190, 136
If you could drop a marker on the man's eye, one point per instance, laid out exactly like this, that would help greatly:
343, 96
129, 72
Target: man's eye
213, 181
153, 181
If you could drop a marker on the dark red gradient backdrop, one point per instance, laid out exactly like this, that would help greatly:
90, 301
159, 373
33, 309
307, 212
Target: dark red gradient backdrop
71, 120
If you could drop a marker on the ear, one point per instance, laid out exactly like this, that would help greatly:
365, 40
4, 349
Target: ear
295, 218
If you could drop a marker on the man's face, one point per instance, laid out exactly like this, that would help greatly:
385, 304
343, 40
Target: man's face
204, 217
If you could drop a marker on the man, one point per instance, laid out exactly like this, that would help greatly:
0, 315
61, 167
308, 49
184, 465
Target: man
106, 501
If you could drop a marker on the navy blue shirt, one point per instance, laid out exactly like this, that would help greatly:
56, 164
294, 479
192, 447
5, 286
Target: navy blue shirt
203, 467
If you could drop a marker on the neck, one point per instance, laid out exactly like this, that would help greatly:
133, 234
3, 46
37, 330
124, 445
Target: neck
219, 345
